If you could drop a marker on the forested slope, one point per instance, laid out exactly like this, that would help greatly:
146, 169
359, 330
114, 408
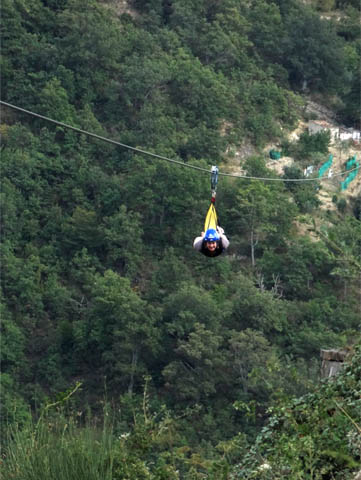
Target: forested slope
100, 283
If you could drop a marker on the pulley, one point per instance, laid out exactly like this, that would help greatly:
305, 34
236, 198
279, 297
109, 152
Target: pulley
214, 181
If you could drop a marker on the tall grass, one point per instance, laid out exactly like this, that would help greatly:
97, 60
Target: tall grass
58, 448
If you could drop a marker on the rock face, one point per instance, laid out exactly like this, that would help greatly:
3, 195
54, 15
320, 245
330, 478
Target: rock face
119, 7
320, 111
332, 362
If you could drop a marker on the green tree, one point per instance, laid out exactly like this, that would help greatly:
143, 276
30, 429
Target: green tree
55, 103
304, 193
121, 330
261, 212
123, 237
344, 240
311, 436
83, 229
256, 308
313, 52
266, 107
166, 198
204, 98
300, 268
251, 354
170, 274
310, 144
351, 95
96, 35
12, 343
224, 41
195, 373
187, 306
27, 53
325, 5
267, 31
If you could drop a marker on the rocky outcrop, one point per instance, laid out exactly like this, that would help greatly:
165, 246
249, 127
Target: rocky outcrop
332, 362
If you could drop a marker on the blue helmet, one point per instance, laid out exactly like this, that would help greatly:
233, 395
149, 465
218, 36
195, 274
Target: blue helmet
211, 235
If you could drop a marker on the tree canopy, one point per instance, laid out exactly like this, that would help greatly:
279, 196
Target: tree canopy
100, 285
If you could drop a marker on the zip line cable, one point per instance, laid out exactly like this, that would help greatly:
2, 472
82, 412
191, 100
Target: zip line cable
99, 137
144, 152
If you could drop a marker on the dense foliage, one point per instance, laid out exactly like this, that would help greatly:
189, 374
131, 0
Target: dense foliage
312, 437
100, 283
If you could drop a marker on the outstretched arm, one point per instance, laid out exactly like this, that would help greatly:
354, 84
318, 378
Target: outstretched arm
197, 244
225, 241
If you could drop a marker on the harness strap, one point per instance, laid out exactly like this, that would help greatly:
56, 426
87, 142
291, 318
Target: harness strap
211, 218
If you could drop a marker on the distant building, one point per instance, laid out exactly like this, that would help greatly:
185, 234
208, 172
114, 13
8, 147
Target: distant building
349, 134
337, 133
316, 126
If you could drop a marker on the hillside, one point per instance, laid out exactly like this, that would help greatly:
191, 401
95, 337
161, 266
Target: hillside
330, 187
126, 353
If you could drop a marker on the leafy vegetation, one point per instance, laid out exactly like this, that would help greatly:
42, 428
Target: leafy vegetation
315, 436
200, 363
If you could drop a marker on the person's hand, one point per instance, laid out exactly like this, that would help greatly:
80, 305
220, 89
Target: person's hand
202, 234
220, 230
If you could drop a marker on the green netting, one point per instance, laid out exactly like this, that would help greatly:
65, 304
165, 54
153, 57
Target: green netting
350, 162
345, 183
325, 166
275, 155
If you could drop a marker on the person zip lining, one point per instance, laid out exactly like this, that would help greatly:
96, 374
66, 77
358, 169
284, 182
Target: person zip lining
213, 241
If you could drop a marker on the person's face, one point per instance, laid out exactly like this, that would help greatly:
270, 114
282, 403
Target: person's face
211, 246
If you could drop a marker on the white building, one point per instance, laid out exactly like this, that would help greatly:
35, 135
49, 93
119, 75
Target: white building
337, 133
349, 134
